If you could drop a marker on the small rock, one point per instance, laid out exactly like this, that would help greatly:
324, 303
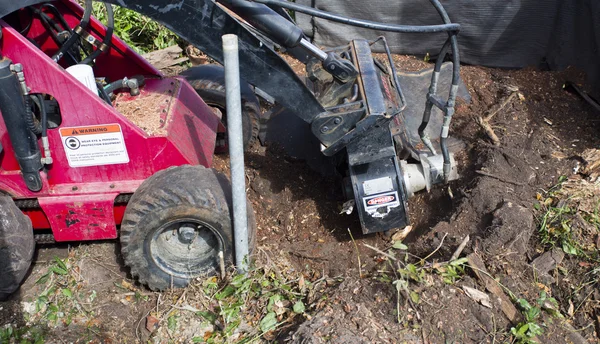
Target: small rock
548, 261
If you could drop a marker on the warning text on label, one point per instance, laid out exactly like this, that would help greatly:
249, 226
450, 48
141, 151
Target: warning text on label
94, 145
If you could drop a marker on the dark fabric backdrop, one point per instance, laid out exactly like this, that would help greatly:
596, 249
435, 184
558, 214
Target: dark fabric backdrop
495, 33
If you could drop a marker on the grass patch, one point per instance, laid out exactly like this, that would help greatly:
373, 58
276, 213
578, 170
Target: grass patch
242, 309
569, 218
138, 31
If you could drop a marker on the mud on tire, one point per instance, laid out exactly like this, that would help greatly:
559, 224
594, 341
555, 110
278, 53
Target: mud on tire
156, 240
16, 246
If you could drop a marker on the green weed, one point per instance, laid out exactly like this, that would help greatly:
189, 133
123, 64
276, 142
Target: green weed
262, 301
9, 334
138, 31
526, 331
556, 228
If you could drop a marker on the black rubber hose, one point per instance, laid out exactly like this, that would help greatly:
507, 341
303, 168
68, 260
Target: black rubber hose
85, 21
29, 117
433, 87
43, 115
103, 94
360, 22
113, 86
110, 25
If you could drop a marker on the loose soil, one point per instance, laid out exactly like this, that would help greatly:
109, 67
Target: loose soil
542, 136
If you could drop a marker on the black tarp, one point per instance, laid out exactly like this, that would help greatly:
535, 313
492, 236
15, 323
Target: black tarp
551, 34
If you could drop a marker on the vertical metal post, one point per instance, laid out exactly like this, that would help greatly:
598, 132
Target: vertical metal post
236, 150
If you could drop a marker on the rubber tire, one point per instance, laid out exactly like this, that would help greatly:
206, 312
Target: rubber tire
209, 83
183, 191
17, 246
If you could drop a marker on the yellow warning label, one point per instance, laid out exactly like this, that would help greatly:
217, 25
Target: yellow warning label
94, 145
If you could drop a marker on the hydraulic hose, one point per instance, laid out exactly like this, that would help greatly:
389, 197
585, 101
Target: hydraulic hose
29, 117
103, 94
110, 25
131, 84
85, 21
360, 22
43, 115
47, 159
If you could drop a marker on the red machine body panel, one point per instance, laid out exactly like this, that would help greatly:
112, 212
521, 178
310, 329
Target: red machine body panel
77, 201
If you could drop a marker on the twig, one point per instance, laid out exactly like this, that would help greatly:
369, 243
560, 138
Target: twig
484, 122
502, 106
460, 248
483, 173
380, 251
439, 246
357, 254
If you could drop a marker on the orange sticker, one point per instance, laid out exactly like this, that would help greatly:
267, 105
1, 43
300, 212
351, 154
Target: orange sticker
91, 130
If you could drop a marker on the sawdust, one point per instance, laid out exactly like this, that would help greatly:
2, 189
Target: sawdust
149, 110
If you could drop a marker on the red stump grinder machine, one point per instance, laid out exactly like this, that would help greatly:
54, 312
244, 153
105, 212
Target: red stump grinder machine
97, 144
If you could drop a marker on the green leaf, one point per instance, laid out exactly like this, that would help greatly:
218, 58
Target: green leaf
524, 304
268, 322
522, 330
272, 300
299, 307
209, 316
458, 262
238, 280
197, 340
67, 292
61, 264
172, 323
398, 245
52, 317
58, 270
535, 330
43, 279
228, 291
415, 297
569, 249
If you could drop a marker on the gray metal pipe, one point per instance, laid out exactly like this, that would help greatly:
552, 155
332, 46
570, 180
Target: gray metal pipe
235, 137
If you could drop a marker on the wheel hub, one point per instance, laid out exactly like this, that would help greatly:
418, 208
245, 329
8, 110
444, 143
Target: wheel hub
186, 248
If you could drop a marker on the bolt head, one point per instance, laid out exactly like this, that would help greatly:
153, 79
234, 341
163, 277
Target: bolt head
187, 234
337, 121
324, 129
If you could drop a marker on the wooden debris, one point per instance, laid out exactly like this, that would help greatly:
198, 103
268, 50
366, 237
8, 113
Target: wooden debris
165, 58
492, 286
591, 158
460, 248
478, 296
196, 56
402, 234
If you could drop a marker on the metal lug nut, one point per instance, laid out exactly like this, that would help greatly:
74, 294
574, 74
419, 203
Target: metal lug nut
187, 234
